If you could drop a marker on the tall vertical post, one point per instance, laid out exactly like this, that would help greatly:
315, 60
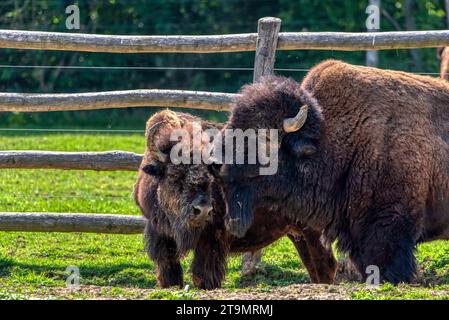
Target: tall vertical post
372, 56
267, 39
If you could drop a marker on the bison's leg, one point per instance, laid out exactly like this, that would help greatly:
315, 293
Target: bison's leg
164, 252
303, 251
209, 263
388, 244
316, 255
251, 262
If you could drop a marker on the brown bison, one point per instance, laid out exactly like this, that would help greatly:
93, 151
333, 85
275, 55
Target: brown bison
185, 211
365, 159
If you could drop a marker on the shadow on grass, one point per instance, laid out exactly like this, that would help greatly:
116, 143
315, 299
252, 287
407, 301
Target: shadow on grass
140, 275
123, 274
272, 275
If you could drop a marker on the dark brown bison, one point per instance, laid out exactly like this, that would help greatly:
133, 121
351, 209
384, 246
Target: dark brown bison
365, 159
185, 211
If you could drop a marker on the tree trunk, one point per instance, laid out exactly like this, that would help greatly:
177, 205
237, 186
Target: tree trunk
446, 4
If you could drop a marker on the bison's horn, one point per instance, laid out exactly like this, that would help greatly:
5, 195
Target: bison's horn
296, 123
154, 150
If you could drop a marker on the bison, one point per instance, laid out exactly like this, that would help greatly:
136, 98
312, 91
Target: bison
185, 211
363, 155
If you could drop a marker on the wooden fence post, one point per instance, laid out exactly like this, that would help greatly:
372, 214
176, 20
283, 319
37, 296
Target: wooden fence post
267, 39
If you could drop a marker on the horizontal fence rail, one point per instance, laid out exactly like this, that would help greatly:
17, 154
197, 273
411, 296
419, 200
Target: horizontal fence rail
30, 102
17, 39
71, 222
101, 161
346, 41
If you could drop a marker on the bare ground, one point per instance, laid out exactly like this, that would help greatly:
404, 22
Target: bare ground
291, 292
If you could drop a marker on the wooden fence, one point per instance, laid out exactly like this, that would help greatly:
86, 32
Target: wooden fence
265, 42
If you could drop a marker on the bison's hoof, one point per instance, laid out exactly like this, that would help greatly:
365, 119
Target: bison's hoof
236, 228
206, 284
347, 271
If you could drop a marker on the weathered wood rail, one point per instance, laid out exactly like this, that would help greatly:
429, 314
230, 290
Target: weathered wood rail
37, 40
345, 41
31, 102
71, 222
104, 161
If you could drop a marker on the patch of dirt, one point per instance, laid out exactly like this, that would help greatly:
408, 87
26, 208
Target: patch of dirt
291, 292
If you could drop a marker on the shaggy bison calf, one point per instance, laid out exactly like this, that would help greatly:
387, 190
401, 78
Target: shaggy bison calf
185, 211
366, 159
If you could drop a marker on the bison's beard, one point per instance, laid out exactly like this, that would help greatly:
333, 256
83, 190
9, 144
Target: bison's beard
240, 205
186, 237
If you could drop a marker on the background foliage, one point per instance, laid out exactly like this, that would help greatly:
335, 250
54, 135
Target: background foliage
176, 17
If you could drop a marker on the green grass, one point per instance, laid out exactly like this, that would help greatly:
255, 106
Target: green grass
33, 265
69, 191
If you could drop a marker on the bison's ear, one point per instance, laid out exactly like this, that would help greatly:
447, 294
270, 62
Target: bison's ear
302, 148
153, 170
214, 169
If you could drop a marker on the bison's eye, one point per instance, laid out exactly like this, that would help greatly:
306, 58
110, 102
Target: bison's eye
153, 170
301, 148
214, 169
305, 150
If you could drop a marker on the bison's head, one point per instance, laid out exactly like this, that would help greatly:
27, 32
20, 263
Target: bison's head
274, 103
183, 190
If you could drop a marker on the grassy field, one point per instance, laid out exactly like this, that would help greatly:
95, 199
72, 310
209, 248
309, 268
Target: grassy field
33, 265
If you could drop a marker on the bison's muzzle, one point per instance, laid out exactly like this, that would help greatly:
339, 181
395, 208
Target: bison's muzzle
201, 212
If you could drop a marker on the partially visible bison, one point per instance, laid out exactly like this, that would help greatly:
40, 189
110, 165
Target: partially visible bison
363, 155
185, 211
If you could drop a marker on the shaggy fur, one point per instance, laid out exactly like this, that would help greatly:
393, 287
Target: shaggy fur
165, 192
370, 166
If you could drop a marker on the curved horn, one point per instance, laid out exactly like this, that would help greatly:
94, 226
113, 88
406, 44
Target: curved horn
154, 150
296, 123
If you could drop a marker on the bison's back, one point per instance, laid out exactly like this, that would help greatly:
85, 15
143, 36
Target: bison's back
389, 133
348, 92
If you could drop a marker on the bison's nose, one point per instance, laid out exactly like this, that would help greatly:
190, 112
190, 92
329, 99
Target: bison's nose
203, 209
